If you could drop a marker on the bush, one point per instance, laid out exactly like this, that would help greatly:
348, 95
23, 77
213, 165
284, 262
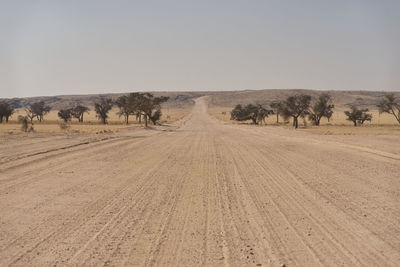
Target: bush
64, 126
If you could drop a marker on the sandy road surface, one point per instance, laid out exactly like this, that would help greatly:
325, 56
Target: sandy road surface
200, 192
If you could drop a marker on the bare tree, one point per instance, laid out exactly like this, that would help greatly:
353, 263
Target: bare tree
102, 108
78, 112
358, 116
323, 107
390, 105
30, 114
295, 107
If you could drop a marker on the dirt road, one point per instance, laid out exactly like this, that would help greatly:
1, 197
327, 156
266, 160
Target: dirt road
200, 193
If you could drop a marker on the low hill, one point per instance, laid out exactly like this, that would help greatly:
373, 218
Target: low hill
177, 99
342, 99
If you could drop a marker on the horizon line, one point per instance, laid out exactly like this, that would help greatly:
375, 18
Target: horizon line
206, 91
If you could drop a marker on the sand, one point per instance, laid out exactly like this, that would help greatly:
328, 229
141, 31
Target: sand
199, 192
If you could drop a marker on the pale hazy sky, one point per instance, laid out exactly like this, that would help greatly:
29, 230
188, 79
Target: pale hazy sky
79, 47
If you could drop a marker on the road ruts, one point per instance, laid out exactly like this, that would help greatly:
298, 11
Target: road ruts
200, 193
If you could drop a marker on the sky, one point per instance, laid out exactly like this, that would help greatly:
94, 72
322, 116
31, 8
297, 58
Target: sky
85, 47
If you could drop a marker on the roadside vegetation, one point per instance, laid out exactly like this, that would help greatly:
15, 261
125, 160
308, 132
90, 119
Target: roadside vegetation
313, 110
144, 107
297, 110
358, 116
6, 111
390, 105
140, 105
255, 113
75, 112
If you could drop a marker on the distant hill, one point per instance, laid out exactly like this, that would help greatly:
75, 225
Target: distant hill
177, 99
342, 99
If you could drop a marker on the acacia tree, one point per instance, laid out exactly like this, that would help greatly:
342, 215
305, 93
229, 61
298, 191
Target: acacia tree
102, 108
78, 112
248, 112
2, 111
252, 112
255, 113
9, 112
129, 105
150, 107
329, 114
390, 105
295, 107
156, 116
6, 111
30, 114
139, 116
262, 113
323, 107
358, 116
277, 108
365, 117
238, 113
65, 114
124, 107
39, 109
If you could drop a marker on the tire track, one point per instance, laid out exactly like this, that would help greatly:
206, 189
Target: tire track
202, 194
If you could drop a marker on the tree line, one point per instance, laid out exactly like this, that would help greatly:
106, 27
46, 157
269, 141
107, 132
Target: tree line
141, 105
302, 106
148, 107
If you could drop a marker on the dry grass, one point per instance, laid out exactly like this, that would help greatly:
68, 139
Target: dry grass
91, 124
381, 124
54, 127
370, 129
174, 114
